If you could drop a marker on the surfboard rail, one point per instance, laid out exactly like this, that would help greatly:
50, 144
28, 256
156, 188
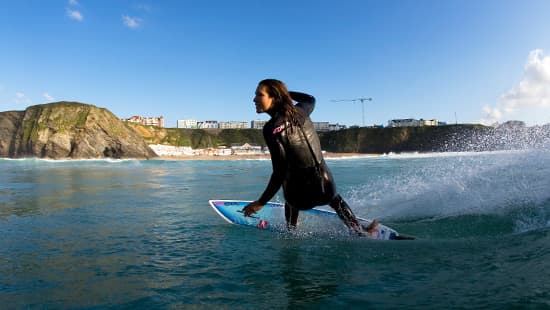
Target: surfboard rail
271, 217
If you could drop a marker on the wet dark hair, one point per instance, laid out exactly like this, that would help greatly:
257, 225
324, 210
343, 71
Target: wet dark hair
282, 101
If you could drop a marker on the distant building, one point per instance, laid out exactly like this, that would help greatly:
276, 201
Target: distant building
187, 123
334, 127
208, 125
321, 126
246, 149
431, 122
170, 150
146, 120
410, 122
257, 124
233, 125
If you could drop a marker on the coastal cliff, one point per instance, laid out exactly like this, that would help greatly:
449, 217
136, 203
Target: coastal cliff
68, 130
76, 130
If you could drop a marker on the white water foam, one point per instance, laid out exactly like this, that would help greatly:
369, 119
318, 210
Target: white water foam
446, 186
68, 160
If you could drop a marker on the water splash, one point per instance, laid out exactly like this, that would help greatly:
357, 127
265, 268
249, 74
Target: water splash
443, 186
509, 136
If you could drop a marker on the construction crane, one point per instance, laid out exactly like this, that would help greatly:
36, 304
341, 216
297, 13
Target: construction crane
362, 100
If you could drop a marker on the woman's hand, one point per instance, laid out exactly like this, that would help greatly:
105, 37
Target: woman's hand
252, 207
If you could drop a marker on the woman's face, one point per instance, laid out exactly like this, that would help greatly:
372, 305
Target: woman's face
262, 100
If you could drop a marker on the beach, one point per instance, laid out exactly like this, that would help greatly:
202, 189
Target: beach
327, 155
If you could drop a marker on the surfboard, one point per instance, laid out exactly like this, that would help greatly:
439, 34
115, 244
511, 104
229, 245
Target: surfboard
272, 217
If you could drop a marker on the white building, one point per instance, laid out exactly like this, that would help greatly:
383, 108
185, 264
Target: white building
257, 124
333, 127
208, 125
146, 120
431, 122
187, 123
410, 122
233, 125
246, 149
170, 150
321, 126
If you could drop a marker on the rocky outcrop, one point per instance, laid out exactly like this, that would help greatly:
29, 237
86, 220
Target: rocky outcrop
68, 130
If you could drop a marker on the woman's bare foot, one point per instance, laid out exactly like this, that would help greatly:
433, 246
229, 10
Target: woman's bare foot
372, 226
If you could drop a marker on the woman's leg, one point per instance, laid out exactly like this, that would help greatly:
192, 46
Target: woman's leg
291, 216
346, 215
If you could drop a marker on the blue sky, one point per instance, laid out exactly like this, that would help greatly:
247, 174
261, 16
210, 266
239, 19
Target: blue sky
464, 60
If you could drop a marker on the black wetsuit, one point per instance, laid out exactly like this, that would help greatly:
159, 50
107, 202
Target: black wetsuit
294, 165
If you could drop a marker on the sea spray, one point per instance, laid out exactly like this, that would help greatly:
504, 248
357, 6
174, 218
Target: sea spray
509, 136
506, 187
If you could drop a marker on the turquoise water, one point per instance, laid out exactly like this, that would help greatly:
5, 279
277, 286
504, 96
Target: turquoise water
141, 235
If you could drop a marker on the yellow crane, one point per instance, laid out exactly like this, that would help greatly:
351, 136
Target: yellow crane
362, 100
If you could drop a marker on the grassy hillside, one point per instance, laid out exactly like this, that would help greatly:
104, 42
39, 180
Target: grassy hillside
402, 139
198, 138
353, 140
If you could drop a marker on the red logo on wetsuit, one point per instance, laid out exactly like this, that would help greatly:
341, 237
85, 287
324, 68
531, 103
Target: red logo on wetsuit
279, 129
263, 224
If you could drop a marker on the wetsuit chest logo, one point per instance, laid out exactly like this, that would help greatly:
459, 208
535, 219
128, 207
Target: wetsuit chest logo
279, 129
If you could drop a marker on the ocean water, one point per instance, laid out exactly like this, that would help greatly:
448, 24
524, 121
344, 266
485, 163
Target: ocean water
141, 235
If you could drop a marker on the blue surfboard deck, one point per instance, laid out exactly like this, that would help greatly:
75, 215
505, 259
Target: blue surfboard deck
272, 217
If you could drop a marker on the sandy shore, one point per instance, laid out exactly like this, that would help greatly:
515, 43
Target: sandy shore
257, 157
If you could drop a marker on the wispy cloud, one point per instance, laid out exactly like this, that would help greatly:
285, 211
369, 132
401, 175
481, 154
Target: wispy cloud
48, 97
21, 98
131, 22
532, 91
74, 14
